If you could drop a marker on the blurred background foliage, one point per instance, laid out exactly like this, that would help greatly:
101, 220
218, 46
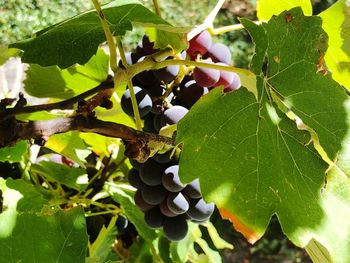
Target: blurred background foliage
20, 19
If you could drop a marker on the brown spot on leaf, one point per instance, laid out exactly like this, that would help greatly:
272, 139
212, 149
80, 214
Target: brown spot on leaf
320, 65
288, 18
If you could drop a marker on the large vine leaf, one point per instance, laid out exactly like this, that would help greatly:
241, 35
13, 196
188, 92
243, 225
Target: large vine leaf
77, 39
267, 8
44, 82
293, 53
32, 231
56, 237
255, 158
336, 22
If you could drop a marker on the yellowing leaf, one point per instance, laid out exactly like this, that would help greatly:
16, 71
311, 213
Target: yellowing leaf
267, 8
336, 22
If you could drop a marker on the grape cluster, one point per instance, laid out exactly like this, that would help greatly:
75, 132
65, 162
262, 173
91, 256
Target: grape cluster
164, 199
164, 97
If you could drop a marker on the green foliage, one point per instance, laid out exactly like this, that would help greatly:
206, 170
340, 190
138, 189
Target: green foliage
266, 9
15, 153
44, 82
247, 134
21, 18
337, 24
27, 225
75, 40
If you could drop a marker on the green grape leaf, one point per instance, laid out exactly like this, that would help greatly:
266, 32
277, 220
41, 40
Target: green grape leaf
43, 82
75, 40
325, 113
125, 197
27, 222
179, 251
102, 249
260, 50
218, 242
267, 8
332, 232
20, 196
73, 177
164, 249
253, 157
6, 53
70, 145
14, 153
336, 22
57, 237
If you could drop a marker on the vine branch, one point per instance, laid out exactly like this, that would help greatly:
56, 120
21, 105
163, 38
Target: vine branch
109, 37
65, 104
137, 142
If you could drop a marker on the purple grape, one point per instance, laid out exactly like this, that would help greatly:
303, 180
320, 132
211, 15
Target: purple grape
154, 218
175, 228
163, 157
146, 78
200, 44
131, 58
135, 164
177, 203
173, 115
154, 195
155, 90
219, 52
140, 202
171, 180
206, 77
199, 210
191, 92
148, 125
134, 179
122, 222
157, 122
235, 84
151, 172
167, 74
159, 106
144, 102
192, 190
226, 77
165, 209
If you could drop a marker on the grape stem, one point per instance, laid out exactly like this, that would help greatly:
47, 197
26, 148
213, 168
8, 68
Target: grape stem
166, 63
109, 37
225, 29
156, 7
208, 22
130, 85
